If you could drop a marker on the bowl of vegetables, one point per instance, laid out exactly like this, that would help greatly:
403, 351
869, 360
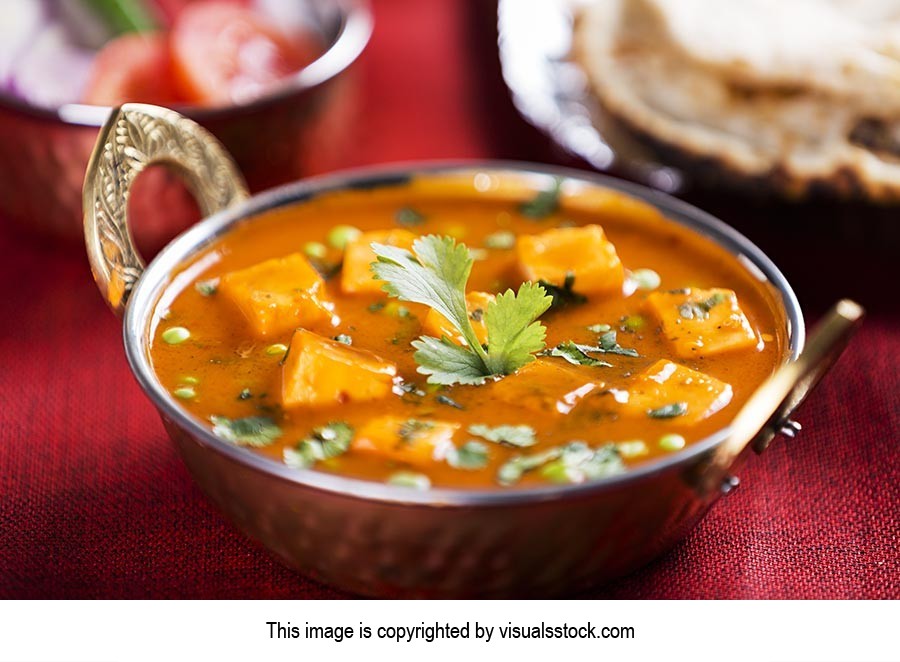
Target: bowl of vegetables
267, 77
445, 380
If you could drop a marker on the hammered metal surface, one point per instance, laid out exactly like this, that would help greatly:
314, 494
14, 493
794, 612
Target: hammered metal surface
544, 548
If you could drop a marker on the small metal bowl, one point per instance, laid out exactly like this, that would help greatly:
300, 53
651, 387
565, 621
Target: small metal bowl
291, 131
383, 540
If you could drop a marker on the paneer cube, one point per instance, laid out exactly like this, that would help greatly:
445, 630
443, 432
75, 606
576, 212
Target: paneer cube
356, 276
670, 391
412, 441
546, 385
583, 252
320, 372
702, 322
437, 325
278, 295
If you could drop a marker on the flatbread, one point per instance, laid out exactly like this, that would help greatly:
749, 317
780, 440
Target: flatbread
800, 92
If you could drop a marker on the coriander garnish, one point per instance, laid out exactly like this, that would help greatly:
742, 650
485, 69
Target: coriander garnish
409, 479
249, 431
543, 204
435, 274
207, 287
578, 354
471, 455
669, 411
409, 217
519, 436
699, 310
563, 295
323, 443
447, 400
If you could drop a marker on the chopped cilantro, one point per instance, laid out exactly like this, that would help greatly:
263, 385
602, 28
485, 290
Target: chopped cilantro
245, 394
323, 443
409, 217
577, 354
207, 287
563, 295
543, 204
344, 339
447, 400
669, 411
520, 436
411, 479
578, 463
471, 455
609, 345
249, 431
413, 429
699, 310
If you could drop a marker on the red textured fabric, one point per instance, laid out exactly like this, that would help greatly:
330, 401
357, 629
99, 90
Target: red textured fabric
94, 501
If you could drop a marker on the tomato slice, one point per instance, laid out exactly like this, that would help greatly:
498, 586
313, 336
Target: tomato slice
223, 53
133, 67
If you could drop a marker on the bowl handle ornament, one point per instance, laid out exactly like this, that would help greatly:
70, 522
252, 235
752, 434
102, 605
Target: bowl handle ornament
769, 409
134, 137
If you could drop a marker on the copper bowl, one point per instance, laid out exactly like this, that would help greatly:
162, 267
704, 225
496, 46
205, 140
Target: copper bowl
292, 131
384, 540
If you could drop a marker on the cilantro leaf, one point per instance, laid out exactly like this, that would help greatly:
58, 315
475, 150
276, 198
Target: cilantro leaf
512, 471
609, 345
513, 332
249, 431
544, 203
471, 455
447, 363
409, 217
577, 354
435, 274
563, 295
520, 436
323, 443
669, 411
579, 463
699, 310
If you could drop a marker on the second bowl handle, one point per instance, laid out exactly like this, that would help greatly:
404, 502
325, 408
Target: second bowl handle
134, 137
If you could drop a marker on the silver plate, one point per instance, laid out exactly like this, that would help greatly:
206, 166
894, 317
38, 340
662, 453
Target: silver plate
551, 91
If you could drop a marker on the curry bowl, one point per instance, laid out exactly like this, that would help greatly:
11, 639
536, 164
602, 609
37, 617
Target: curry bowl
552, 526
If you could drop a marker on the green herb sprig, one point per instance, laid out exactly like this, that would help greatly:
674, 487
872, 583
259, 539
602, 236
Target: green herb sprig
435, 274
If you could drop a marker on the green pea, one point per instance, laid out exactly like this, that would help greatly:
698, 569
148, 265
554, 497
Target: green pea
599, 328
633, 322
341, 235
176, 335
634, 448
409, 479
276, 350
646, 279
502, 240
190, 379
185, 393
672, 442
315, 249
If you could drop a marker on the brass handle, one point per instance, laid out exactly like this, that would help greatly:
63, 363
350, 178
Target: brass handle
135, 136
768, 410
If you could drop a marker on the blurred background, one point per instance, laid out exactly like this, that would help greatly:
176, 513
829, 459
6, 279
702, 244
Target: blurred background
782, 117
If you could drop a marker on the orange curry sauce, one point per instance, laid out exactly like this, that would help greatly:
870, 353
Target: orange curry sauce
231, 374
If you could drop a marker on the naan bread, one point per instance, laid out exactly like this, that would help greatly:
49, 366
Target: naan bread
800, 92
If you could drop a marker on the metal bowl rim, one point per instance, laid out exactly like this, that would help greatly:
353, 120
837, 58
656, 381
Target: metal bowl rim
356, 25
155, 279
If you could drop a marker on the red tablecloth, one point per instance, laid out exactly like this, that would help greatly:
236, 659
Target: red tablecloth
94, 501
